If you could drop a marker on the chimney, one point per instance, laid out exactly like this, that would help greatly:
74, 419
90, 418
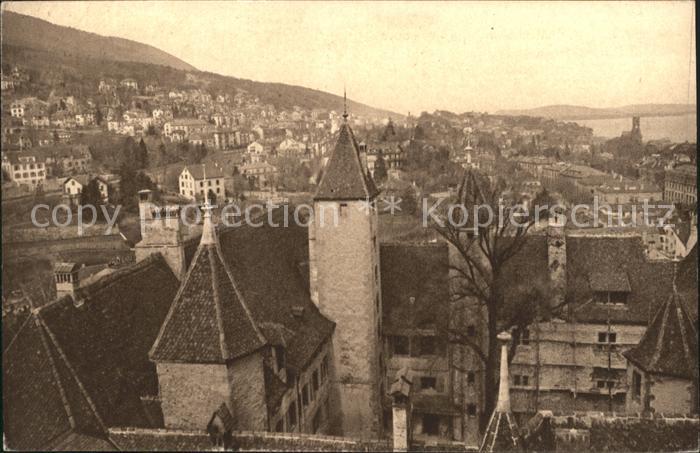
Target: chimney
66, 277
400, 393
161, 232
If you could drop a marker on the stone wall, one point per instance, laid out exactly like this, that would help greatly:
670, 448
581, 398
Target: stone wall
190, 393
596, 432
347, 268
247, 383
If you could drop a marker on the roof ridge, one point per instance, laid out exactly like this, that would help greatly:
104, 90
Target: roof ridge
24, 324
217, 302
73, 374
239, 295
177, 297
118, 274
54, 372
661, 334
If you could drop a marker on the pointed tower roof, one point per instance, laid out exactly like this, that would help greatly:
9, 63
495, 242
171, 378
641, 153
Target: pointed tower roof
209, 322
502, 432
670, 344
345, 177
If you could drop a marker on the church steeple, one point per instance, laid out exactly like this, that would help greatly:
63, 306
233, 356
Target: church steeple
345, 105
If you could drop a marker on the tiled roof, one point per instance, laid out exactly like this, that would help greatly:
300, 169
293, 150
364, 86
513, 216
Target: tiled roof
209, 321
609, 281
419, 272
265, 264
106, 337
270, 268
649, 281
46, 398
670, 344
345, 177
212, 170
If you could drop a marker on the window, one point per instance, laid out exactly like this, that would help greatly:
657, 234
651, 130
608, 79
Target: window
636, 384
431, 424
305, 395
399, 345
471, 330
314, 380
427, 345
524, 337
601, 384
428, 383
607, 337
471, 410
520, 380
470, 377
292, 416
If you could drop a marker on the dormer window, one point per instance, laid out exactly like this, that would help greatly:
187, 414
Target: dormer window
610, 287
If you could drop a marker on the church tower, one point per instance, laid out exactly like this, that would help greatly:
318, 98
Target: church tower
345, 284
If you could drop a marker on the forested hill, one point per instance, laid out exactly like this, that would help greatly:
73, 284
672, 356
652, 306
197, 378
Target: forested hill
73, 61
26, 31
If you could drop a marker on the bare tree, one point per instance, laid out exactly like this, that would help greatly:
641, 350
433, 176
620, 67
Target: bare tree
486, 228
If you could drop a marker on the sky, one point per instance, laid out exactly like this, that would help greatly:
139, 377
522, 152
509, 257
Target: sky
413, 57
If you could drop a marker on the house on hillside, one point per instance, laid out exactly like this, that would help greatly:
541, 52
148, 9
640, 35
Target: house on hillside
196, 181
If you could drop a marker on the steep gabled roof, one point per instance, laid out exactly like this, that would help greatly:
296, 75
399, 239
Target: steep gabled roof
345, 177
670, 344
209, 321
106, 336
42, 397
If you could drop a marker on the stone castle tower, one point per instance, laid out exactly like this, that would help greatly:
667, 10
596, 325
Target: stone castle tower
345, 284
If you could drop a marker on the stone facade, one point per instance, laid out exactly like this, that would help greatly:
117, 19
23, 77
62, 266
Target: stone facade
191, 392
658, 394
344, 269
247, 384
564, 366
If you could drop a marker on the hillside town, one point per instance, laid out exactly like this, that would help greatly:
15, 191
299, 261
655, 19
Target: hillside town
148, 322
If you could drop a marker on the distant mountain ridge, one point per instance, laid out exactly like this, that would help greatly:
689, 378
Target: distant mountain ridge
576, 112
27, 31
48, 47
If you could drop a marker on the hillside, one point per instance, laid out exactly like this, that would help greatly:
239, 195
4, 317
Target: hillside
26, 31
576, 112
75, 61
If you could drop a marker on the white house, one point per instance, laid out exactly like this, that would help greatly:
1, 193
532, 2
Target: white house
196, 180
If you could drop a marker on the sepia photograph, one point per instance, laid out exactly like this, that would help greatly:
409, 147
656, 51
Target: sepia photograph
408, 226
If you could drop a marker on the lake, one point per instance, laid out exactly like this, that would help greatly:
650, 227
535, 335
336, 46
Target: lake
679, 128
